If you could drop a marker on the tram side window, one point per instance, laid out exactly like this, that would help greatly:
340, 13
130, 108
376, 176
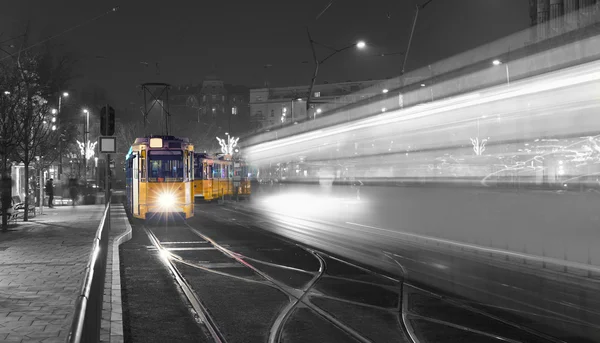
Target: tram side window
142, 170
191, 160
198, 172
209, 171
165, 166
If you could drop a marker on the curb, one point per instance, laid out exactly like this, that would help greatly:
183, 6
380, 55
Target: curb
116, 334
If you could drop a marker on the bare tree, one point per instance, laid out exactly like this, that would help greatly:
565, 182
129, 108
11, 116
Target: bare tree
39, 75
126, 133
8, 104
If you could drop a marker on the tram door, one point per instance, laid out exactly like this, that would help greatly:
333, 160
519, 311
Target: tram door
135, 185
207, 175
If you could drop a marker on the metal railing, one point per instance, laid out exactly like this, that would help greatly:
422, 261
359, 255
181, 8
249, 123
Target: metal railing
85, 326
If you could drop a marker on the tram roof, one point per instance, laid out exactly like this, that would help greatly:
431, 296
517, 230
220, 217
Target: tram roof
146, 139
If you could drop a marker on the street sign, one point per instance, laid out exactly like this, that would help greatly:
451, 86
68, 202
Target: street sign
108, 144
107, 122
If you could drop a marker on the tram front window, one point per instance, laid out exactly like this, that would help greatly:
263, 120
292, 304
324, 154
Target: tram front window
165, 166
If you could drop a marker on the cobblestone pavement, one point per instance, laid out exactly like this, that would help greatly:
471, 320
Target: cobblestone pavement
41, 269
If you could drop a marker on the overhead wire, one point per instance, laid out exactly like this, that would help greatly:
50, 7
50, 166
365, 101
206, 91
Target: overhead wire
113, 9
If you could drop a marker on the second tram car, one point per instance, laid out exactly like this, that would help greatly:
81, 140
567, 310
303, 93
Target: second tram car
219, 176
159, 177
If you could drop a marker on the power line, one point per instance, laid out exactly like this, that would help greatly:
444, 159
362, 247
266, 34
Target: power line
113, 9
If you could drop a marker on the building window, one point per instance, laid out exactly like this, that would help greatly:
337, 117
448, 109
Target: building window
272, 113
204, 98
214, 97
234, 110
317, 94
222, 97
233, 99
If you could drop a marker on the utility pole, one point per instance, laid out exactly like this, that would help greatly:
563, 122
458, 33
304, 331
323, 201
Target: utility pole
412, 32
359, 45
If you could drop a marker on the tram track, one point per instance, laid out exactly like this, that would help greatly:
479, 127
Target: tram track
201, 312
297, 297
276, 331
307, 296
404, 314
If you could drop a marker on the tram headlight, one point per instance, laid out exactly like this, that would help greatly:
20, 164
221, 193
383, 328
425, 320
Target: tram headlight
166, 200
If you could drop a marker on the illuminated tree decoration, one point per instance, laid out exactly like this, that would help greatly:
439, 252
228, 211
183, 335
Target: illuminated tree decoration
227, 147
478, 147
90, 149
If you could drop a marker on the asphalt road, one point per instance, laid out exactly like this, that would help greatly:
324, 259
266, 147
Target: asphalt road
256, 286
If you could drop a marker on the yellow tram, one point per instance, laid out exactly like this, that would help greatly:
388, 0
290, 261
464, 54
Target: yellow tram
159, 177
220, 176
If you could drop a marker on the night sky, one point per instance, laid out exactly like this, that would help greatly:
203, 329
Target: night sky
189, 38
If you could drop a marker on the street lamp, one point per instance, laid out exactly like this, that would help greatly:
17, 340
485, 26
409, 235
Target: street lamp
63, 95
497, 63
6, 93
359, 45
85, 142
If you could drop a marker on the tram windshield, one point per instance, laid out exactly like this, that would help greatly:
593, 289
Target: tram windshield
165, 166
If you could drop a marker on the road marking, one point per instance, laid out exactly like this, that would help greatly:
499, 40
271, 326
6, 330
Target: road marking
187, 249
194, 242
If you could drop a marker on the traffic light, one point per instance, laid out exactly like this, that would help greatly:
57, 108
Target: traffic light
107, 125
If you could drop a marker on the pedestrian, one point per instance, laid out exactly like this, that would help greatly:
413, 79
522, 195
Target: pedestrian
50, 192
73, 190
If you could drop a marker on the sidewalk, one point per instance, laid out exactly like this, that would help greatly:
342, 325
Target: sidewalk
41, 269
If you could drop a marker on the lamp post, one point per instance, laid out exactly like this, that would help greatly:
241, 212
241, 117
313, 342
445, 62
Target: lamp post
85, 142
62, 95
497, 63
359, 45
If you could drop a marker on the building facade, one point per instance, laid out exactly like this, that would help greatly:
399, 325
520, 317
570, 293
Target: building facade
210, 108
272, 107
554, 16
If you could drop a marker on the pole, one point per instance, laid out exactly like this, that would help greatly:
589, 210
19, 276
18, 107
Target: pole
87, 139
107, 180
85, 153
107, 167
314, 77
42, 184
412, 31
59, 139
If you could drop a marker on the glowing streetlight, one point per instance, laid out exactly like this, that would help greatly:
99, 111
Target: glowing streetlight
385, 91
6, 93
63, 95
360, 45
53, 127
54, 119
54, 111
497, 63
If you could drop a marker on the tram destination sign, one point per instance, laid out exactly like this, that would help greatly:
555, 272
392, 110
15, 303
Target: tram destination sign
108, 145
